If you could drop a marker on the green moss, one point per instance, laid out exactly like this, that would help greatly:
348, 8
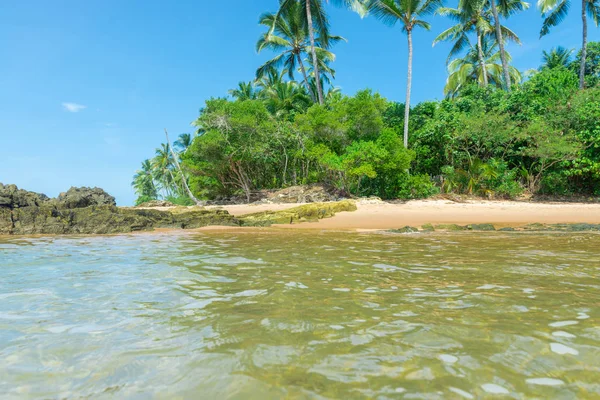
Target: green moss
111, 220
305, 213
481, 227
428, 228
6, 225
406, 229
450, 227
536, 227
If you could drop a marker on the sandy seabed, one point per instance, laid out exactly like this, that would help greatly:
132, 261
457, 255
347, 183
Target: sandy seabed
420, 212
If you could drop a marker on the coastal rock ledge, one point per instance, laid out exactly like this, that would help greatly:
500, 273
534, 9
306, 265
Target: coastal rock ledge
85, 211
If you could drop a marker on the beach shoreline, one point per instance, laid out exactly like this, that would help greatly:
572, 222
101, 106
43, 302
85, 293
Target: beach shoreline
374, 215
383, 216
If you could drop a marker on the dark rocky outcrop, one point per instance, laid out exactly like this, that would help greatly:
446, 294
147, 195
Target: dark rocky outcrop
92, 211
85, 197
13, 197
97, 220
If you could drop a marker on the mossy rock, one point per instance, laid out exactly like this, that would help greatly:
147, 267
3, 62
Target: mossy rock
579, 227
198, 218
6, 224
428, 228
99, 220
306, 213
481, 227
406, 229
450, 227
536, 227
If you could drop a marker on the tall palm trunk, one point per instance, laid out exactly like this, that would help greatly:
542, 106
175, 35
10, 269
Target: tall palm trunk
187, 189
500, 41
311, 33
312, 95
408, 87
482, 59
584, 47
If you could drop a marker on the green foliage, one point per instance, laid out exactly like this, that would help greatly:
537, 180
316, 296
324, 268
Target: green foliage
492, 179
542, 137
558, 57
592, 63
412, 187
181, 201
143, 199
468, 70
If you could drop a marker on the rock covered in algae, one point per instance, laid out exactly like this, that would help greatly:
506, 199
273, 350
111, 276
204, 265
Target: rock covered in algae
450, 227
5, 221
578, 227
481, 227
406, 229
428, 228
156, 204
306, 213
13, 197
85, 197
98, 220
93, 211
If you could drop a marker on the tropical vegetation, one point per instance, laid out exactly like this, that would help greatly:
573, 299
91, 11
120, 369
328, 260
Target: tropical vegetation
499, 132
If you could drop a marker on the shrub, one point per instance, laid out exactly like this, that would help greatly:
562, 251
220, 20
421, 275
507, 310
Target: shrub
416, 187
143, 199
181, 201
493, 179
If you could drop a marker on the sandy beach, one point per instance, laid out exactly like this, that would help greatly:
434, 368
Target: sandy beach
420, 212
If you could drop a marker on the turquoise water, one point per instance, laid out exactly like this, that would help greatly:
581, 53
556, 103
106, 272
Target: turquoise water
271, 314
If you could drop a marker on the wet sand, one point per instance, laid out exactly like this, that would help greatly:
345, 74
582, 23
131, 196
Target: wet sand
421, 212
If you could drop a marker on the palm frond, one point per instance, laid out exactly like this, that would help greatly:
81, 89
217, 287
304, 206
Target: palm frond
555, 17
509, 35
592, 8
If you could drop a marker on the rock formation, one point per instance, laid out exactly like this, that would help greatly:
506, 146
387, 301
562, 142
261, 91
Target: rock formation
93, 211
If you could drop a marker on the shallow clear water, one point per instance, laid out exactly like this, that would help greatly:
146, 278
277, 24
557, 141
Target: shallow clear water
301, 315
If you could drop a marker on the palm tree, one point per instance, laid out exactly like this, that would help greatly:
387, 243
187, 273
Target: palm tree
288, 34
143, 181
181, 174
286, 96
316, 17
467, 70
557, 57
554, 11
272, 77
183, 142
472, 17
162, 165
407, 12
507, 8
326, 76
244, 91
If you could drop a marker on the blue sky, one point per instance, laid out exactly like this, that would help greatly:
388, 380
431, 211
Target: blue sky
86, 87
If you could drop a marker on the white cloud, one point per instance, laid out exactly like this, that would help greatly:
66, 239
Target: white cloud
73, 107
